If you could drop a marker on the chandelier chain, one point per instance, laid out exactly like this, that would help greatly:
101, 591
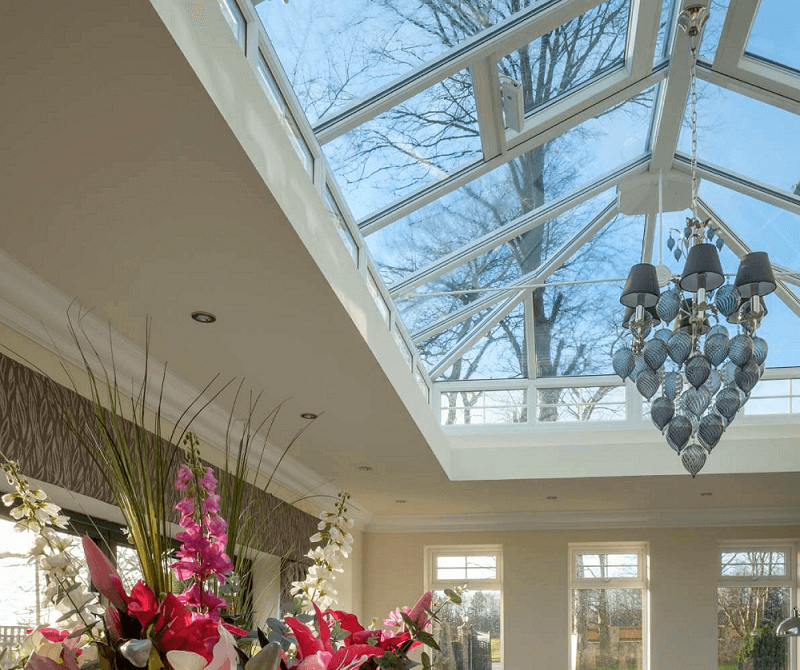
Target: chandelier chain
693, 122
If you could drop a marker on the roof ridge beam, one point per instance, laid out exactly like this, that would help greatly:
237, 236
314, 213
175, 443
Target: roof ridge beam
751, 90
738, 246
539, 274
671, 103
517, 30
515, 228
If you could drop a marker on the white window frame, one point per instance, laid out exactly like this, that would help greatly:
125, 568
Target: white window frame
434, 584
641, 581
496, 584
789, 581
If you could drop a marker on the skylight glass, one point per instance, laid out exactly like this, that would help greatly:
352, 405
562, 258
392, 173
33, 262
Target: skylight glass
572, 55
761, 226
665, 28
500, 354
746, 136
419, 141
497, 268
775, 35
338, 52
433, 350
578, 325
537, 177
712, 33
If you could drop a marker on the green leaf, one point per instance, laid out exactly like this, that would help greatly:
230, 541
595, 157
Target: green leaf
409, 622
427, 638
452, 596
426, 661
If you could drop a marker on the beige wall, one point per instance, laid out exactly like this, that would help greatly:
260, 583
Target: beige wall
683, 580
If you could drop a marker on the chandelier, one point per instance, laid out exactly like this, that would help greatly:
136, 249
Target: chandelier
705, 370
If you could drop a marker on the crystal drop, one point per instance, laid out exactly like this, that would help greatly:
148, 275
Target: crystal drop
693, 459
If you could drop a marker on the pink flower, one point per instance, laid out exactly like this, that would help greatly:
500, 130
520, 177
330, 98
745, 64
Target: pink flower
185, 477
211, 505
186, 507
216, 525
394, 618
208, 481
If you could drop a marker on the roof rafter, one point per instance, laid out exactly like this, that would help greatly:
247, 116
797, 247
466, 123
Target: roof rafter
541, 273
517, 227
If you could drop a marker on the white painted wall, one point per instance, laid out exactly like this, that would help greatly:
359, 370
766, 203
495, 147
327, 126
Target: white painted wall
683, 581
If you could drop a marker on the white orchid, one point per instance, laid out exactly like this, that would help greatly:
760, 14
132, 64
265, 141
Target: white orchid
317, 587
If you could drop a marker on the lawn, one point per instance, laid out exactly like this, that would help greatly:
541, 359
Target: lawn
495, 651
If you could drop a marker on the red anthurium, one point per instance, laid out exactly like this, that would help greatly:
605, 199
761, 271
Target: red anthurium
104, 576
324, 630
142, 603
347, 621
347, 655
418, 614
307, 643
176, 630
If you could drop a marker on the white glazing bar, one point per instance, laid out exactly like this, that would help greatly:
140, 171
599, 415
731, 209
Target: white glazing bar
738, 246
736, 182
530, 343
740, 17
470, 338
540, 274
522, 224
642, 36
516, 31
751, 90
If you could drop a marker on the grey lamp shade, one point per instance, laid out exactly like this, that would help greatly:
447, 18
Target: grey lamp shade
754, 276
703, 269
651, 316
789, 627
641, 288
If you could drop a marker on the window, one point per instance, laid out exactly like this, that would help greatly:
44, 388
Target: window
608, 606
755, 593
233, 15
470, 634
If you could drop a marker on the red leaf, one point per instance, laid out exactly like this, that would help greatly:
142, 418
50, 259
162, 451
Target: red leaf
104, 576
324, 630
307, 644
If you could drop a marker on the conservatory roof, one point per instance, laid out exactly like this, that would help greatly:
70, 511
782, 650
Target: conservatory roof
501, 161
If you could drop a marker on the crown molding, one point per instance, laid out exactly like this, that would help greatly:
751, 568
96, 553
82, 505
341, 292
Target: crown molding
585, 520
36, 310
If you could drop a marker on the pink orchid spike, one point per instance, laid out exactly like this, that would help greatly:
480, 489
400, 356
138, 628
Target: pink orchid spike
104, 576
324, 630
417, 613
307, 644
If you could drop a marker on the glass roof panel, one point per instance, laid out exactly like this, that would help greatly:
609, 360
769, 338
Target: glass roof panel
500, 354
718, 9
497, 268
775, 34
763, 227
576, 326
335, 53
537, 177
665, 27
418, 141
781, 329
745, 135
572, 55
433, 350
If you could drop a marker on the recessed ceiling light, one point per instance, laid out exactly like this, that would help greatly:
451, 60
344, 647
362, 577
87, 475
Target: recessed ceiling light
204, 317
552, 497
308, 415
401, 502
705, 494
365, 468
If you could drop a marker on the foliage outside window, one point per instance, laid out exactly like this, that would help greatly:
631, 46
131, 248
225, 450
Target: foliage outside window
755, 592
470, 634
608, 606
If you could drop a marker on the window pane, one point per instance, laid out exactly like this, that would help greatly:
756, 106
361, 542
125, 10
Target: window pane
591, 403
606, 566
449, 574
128, 566
233, 15
607, 629
775, 35
341, 226
753, 563
469, 634
574, 54
451, 561
746, 622
338, 52
383, 306
726, 136
479, 407
713, 30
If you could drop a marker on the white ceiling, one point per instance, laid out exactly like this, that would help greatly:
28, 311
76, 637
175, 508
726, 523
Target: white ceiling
124, 188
